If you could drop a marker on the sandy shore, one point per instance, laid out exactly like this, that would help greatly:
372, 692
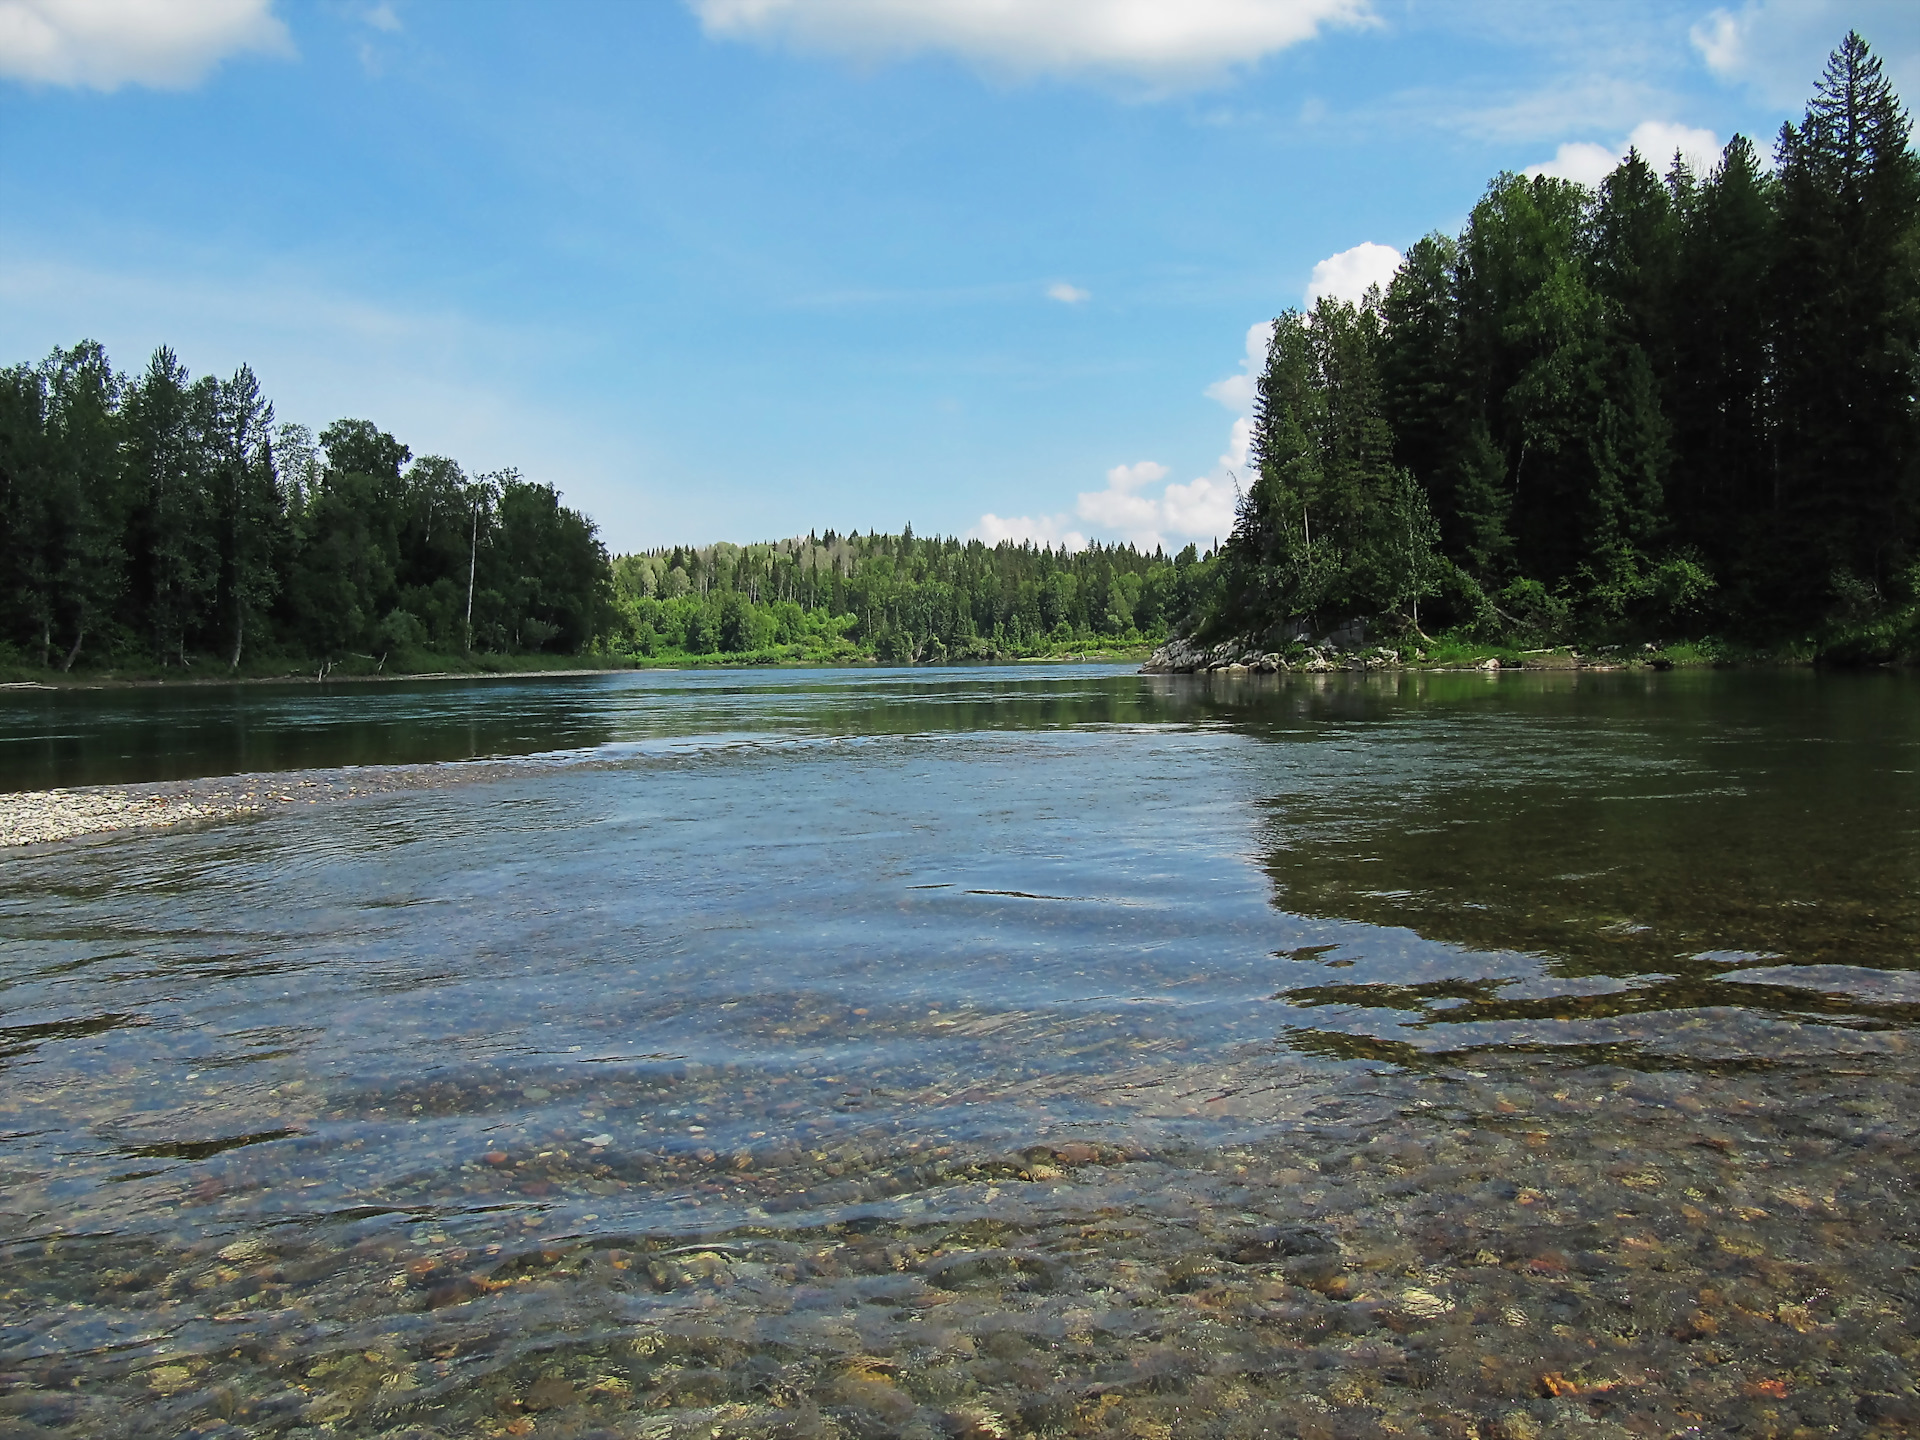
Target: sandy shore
38, 817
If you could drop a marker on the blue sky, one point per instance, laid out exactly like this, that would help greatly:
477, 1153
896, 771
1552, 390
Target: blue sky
737, 269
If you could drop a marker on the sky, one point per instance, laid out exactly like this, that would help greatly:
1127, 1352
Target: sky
742, 269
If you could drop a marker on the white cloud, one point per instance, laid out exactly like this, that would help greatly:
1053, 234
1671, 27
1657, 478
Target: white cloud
104, 44
1121, 509
1721, 41
382, 17
1068, 294
1125, 479
1777, 49
1130, 509
1236, 391
1042, 530
1579, 160
1201, 509
1161, 40
1347, 275
1656, 140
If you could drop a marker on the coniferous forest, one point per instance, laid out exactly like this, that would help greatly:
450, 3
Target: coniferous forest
164, 521
1682, 405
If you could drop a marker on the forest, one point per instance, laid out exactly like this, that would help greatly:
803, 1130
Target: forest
1679, 404
164, 524
162, 521
901, 599
1676, 406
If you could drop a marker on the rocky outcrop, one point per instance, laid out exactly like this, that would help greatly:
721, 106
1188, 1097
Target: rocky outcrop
1249, 656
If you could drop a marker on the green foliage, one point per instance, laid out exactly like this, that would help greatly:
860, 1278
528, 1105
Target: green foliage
1670, 404
1331, 526
155, 520
899, 599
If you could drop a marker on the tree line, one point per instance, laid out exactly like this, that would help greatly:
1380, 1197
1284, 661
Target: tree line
1677, 402
167, 520
898, 598
163, 521
1674, 403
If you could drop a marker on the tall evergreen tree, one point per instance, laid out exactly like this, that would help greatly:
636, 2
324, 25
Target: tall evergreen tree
1719, 387
1848, 293
87, 510
251, 510
1423, 397
26, 485
1634, 230
174, 560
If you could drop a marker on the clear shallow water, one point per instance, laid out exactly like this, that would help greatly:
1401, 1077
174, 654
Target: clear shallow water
974, 1052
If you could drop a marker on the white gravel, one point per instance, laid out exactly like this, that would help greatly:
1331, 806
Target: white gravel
37, 817
42, 815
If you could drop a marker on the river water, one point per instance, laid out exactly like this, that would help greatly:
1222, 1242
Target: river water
972, 1053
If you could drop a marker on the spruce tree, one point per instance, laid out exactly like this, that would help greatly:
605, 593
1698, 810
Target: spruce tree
1718, 387
250, 508
1846, 336
173, 555
88, 505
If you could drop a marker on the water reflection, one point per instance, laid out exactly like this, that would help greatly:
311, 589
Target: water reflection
1602, 850
973, 1053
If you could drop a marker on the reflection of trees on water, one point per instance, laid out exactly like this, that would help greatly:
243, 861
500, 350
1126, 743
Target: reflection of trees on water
1666, 833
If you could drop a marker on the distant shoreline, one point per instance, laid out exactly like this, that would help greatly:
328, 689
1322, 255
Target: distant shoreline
88, 681
294, 677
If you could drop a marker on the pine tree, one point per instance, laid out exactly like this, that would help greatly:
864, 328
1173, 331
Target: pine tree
1423, 397
1633, 233
1721, 488
1847, 334
87, 509
173, 557
250, 507
26, 518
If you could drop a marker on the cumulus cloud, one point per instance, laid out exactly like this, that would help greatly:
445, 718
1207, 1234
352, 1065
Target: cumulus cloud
1121, 509
1132, 509
1656, 140
104, 44
1041, 530
1129, 509
1347, 276
1139, 504
1152, 39
1236, 391
1068, 294
1721, 40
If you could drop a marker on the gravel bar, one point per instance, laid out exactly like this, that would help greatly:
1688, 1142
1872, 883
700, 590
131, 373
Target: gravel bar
38, 817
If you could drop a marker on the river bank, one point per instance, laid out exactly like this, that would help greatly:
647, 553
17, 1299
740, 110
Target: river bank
1243, 655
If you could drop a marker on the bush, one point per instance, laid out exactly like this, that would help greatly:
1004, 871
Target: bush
401, 630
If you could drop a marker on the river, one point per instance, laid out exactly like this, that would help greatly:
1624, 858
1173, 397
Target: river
971, 1052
